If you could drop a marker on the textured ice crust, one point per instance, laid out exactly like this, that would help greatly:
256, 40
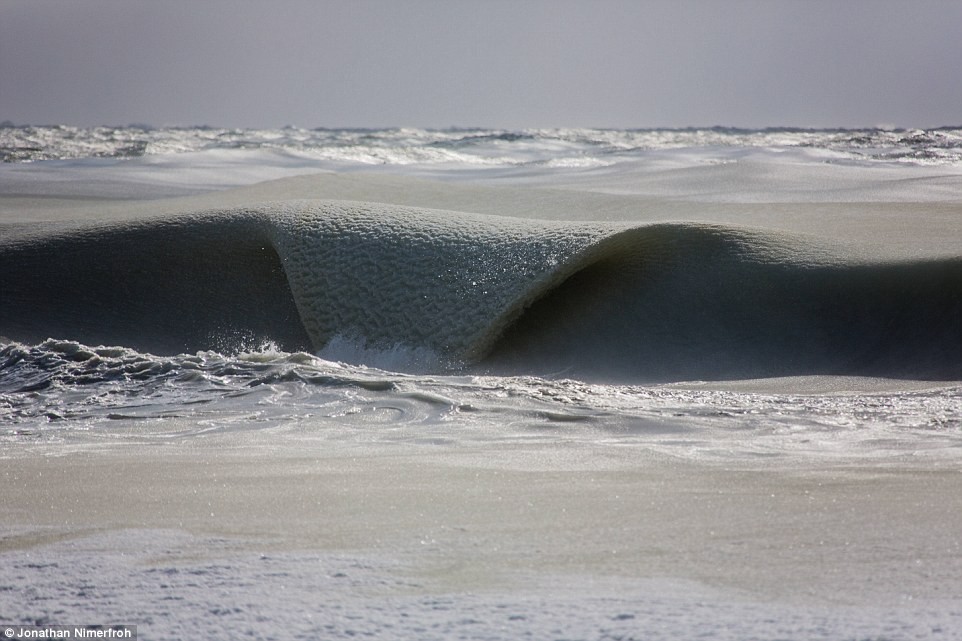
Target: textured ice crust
152, 578
420, 278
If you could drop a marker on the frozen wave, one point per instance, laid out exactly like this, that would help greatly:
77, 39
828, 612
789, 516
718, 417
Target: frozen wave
615, 302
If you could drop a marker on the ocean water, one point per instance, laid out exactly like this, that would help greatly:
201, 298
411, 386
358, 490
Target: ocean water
777, 304
628, 282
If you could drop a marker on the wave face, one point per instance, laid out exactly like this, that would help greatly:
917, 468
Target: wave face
602, 301
169, 286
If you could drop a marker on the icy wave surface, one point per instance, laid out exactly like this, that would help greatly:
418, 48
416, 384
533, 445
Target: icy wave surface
599, 301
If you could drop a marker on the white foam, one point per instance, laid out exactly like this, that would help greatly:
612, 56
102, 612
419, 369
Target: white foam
395, 358
701, 165
173, 585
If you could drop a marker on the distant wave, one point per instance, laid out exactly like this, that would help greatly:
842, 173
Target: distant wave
617, 302
471, 147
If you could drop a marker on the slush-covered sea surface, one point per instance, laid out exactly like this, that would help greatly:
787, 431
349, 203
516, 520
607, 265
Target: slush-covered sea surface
476, 147
334, 340
891, 393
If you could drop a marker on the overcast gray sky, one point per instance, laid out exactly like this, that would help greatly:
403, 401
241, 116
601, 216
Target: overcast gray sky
512, 63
